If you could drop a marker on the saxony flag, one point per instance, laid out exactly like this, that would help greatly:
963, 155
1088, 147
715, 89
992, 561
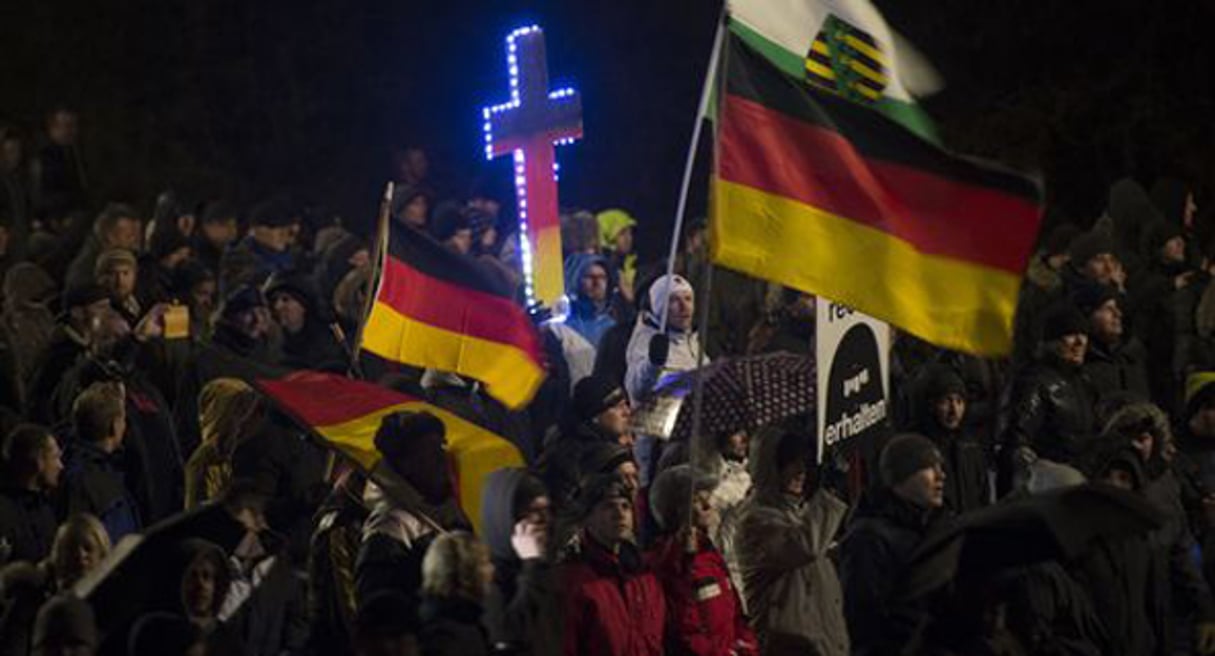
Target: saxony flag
345, 414
439, 310
822, 194
844, 46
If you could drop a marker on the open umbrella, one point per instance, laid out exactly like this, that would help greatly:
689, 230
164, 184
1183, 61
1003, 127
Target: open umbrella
1057, 525
739, 394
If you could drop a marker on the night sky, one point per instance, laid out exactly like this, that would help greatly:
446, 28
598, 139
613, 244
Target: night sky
248, 98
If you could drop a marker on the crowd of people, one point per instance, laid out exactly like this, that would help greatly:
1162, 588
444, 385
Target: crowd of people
133, 431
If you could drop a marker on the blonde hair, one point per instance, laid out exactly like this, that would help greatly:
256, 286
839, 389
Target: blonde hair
452, 566
226, 407
78, 527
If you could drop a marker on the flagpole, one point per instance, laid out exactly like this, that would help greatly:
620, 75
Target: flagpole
380, 247
706, 93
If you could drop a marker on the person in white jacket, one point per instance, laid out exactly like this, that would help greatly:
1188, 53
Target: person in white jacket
653, 353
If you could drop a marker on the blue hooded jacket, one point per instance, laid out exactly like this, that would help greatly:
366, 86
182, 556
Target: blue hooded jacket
587, 318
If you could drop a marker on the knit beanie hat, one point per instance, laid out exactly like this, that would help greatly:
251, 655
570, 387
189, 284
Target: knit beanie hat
905, 455
1089, 297
1059, 240
941, 380
611, 223
398, 432
1063, 319
1090, 245
594, 394
671, 494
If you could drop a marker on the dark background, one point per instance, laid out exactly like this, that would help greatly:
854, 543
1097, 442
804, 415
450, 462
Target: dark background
249, 98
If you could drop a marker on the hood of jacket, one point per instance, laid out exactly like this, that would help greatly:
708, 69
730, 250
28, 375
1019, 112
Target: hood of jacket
498, 512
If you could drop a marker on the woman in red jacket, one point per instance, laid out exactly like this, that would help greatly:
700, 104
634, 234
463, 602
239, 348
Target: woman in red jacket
704, 614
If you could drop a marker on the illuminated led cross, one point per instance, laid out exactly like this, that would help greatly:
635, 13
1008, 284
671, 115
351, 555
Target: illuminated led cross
528, 127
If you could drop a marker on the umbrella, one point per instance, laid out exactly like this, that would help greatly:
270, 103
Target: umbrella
1057, 525
745, 393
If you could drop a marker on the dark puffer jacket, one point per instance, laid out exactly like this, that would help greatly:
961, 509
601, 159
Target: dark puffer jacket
884, 532
1118, 369
1049, 408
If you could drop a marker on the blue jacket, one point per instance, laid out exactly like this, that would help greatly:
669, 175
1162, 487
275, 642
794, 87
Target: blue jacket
587, 318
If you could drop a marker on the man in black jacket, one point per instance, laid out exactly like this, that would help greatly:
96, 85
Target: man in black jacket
885, 530
1049, 409
942, 414
1116, 362
32, 465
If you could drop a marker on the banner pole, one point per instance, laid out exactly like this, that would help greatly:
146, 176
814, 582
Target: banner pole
706, 94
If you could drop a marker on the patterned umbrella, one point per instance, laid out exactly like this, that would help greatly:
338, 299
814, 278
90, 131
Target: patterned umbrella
746, 393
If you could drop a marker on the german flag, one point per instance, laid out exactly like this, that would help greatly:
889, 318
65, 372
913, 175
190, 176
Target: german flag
435, 309
827, 196
345, 413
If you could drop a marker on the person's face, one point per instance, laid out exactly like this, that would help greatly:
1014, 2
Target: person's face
63, 128
361, 259
735, 446
925, 488
125, 234
220, 233
539, 513
682, 306
10, 155
950, 410
624, 241
1202, 424
615, 420
202, 298
793, 478
695, 241
293, 233
253, 323
275, 238
1120, 478
461, 242
1071, 348
1190, 212
289, 312
175, 258
704, 514
416, 165
488, 238
1174, 250
120, 281
1107, 322
415, 212
81, 553
628, 472
1143, 443
594, 283
5, 237
186, 223
50, 464
198, 588
611, 522
1101, 268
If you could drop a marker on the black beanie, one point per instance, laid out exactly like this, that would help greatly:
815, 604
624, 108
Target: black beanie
793, 447
594, 394
940, 380
1090, 245
1063, 319
1060, 239
1089, 297
905, 455
399, 431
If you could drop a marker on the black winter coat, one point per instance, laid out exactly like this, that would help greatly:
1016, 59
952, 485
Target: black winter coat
1120, 369
451, 627
1049, 408
882, 535
27, 524
1129, 584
